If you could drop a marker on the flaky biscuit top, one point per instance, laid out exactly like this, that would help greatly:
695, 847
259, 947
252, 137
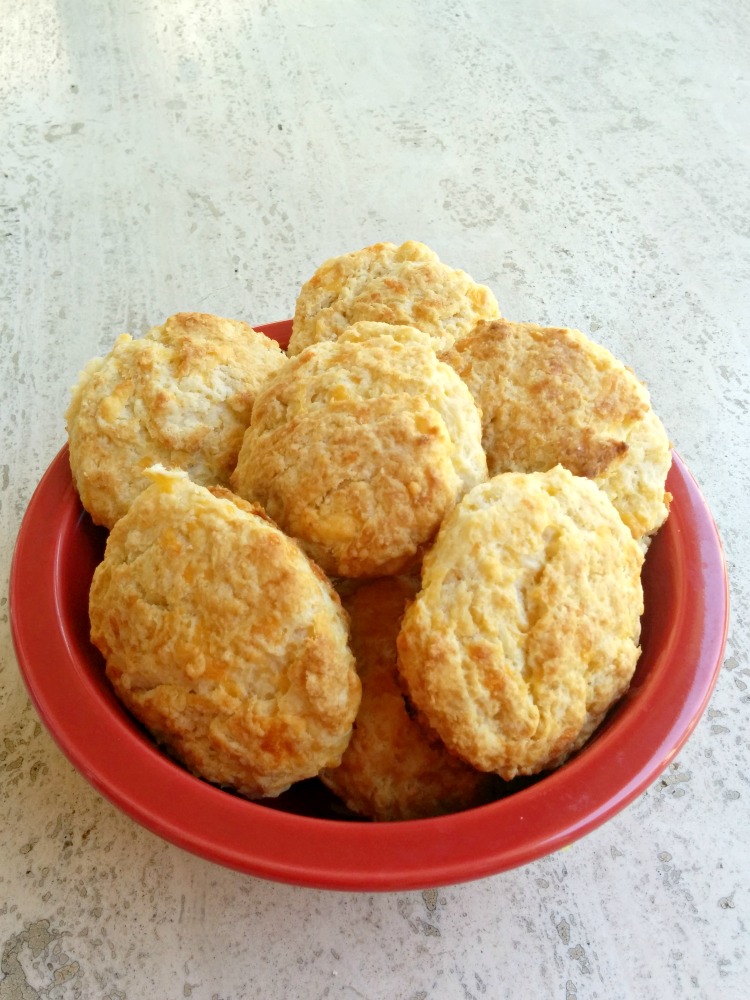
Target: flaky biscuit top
550, 395
527, 626
359, 447
223, 639
400, 285
181, 395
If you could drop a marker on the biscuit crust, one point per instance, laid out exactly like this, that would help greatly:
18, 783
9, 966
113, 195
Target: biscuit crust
181, 395
359, 447
223, 639
527, 627
403, 285
395, 767
550, 396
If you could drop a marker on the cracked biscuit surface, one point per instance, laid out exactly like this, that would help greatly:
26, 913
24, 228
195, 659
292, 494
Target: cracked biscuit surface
181, 395
527, 626
403, 285
223, 639
395, 767
359, 447
551, 396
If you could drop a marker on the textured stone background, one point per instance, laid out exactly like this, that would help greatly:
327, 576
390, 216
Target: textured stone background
589, 160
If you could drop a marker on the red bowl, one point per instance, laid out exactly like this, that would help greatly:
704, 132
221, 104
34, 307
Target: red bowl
301, 838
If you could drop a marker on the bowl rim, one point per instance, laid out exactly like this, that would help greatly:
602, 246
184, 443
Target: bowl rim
111, 754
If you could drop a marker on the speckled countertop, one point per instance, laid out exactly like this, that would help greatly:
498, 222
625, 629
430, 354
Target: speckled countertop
587, 159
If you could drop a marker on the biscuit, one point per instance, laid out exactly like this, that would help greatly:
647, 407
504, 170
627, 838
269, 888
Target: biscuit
359, 447
403, 285
550, 396
181, 396
223, 639
394, 768
527, 627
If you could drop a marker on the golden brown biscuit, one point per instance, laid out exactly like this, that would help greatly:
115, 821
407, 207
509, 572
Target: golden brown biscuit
527, 626
403, 285
223, 639
359, 447
552, 396
182, 396
394, 768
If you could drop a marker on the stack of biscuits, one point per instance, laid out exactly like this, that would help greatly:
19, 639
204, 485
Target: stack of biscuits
403, 556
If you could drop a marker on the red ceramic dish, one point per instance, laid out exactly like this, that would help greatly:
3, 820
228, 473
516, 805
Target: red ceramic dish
299, 838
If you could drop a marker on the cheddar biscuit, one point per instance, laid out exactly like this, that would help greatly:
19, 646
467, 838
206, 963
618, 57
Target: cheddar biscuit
181, 396
528, 623
395, 767
223, 639
550, 396
403, 285
359, 447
